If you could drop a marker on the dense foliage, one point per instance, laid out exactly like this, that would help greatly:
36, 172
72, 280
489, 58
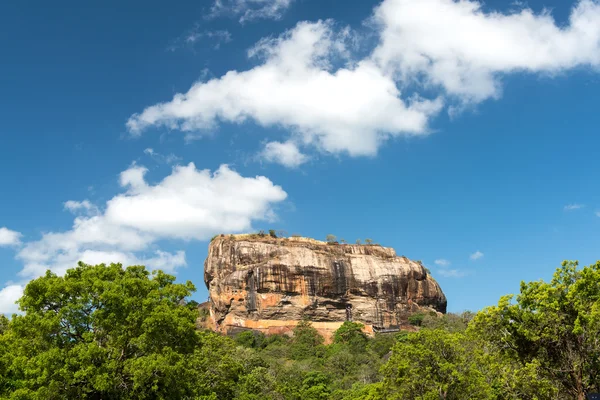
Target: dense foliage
105, 332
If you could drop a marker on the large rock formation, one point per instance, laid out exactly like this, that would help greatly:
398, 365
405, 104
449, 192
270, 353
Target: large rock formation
269, 284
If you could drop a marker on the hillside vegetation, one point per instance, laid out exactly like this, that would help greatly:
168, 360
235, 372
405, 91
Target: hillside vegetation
105, 332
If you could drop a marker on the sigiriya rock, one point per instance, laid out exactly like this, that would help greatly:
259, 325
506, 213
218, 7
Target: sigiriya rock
270, 284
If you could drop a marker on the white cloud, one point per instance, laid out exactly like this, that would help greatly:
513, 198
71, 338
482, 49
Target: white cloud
451, 273
8, 296
162, 260
187, 204
442, 262
9, 238
133, 177
571, 207
458, 46
249, 10
169, 158
476, 256
193, 204
89, 237
219, 37
165, 261
597, 213
195, 35
76, 206
286, 154
352, 109
453, 52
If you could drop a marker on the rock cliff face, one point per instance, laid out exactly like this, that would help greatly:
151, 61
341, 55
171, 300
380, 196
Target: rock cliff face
269, 285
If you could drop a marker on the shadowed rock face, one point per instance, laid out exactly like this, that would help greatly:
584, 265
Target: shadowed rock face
270, 284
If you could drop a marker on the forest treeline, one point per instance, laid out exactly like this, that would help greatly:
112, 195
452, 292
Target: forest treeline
107, 332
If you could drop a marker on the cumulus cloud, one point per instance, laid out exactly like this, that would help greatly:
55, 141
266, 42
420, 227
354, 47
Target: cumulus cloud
196, 35
165, 261
442, 262
249, 10
192, 204
9, 238
161, 158
60, 262
286, 154
187, 204
571, 207
352, 109
81, 206
219, 37
8, 296
476, 256
428, 54
458, 46
91, 239
451, 273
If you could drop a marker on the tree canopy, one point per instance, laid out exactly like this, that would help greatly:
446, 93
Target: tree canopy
555, 324
108, 332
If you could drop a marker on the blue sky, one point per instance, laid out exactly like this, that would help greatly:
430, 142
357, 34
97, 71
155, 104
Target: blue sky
463, 135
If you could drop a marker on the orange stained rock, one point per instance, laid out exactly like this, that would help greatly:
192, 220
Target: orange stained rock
270, 285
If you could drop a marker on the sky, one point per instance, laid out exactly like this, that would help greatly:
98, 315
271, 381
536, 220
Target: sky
460, 133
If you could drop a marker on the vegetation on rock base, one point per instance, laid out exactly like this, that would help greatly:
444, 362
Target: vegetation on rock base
104, 332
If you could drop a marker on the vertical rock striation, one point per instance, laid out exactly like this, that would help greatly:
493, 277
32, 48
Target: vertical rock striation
270, 284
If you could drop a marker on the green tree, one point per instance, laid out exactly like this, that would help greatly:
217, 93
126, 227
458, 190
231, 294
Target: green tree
251, 339
416, 319
3, 324
358, 241
382, 343
315, 387
450, 322
351, 334
434, 364
555, 325
369, 241
306, 342
6, 358
258, 384
330, 238
218, 366
361, 392
103, 332
272, 233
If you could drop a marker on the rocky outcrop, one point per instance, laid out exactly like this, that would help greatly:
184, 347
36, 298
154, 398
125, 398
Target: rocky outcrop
270, 284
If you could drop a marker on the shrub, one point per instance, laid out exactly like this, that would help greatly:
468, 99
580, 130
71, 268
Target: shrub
416, 319
306, 342
203, 313
251, 339
351, 334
